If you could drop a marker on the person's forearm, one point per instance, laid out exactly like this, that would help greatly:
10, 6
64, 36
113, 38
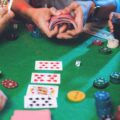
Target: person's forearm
22, 7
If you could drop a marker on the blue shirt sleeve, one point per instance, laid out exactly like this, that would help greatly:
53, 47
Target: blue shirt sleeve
118, 6
85, 5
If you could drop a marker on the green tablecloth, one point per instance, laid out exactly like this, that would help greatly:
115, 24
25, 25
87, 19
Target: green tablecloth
17, 61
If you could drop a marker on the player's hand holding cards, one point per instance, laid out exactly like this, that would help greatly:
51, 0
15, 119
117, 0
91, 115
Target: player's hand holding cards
5, 17
69, 22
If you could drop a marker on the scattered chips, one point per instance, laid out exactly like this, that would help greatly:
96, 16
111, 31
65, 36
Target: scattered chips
9, 83
97, 42
76, 96
105, 50
100, 83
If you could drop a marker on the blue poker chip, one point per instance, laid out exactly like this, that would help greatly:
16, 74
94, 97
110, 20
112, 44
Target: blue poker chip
36, 33
115, 77
100, 83
102, 95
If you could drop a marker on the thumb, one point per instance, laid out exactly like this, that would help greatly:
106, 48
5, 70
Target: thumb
11, 14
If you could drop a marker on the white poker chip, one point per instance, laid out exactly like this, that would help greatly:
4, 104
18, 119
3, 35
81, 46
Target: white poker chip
113, 43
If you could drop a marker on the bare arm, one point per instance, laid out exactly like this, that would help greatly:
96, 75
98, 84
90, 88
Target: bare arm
22, 7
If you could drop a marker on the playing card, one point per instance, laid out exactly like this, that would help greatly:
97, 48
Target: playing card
62, 19
47, 78
42, 90
48, 65
36, 101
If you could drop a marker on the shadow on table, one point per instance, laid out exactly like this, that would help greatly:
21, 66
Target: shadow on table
72, 42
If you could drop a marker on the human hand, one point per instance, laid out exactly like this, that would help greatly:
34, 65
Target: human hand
41, 18
78, 15
110, 24
5, 18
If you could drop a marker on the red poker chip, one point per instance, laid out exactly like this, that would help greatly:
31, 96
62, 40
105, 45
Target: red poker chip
9, 84
97, 42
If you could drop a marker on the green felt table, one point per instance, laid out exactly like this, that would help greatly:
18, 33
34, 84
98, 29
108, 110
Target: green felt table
17, 61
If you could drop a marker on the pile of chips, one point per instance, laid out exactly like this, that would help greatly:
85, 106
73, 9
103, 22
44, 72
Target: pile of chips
34, 31
115, 77
105, 50
98, 42
103, 103
100, 83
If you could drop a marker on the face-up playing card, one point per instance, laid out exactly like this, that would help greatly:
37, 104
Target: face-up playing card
48, 65
47, 78
42, 90
36, 101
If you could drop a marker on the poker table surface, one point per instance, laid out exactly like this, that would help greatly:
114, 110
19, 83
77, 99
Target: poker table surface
17, 62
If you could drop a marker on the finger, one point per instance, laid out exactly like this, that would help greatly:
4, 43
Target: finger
79, 18
49, 33
63, 28
74, 32
7, 17
72, 6
64, 36
3, 12
54, 11
110, 25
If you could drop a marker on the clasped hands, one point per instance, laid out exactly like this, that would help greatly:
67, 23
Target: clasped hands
42, 17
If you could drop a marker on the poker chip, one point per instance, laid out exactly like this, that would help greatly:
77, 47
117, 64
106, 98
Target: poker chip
103, 104
115, 77
100, 83
105, 50
30, 27
97, 42
36, 33
101, 95
113, 43
75, 96
9, 84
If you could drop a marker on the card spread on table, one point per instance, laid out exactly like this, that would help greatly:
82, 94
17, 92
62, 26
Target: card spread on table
36, 101
31, 115
47, 78
42, 90
48, 65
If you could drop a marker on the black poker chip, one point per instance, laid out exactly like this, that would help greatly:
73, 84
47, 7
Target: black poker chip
100, 83
115, 77
105, 50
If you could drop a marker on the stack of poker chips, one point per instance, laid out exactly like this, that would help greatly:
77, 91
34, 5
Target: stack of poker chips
3, 100
115, 77
103, 104
105, 50
34, 31
100, 83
